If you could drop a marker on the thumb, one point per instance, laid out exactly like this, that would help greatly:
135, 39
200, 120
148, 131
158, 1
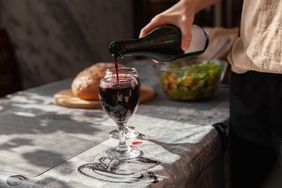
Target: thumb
186, 38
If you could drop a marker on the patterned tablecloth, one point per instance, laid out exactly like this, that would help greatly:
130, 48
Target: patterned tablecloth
43, 145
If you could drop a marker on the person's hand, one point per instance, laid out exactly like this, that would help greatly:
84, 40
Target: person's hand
180, 15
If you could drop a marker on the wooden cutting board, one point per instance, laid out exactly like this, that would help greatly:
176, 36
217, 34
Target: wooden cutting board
66, 98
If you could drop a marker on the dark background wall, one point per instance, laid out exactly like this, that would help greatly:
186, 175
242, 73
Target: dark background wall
55, 39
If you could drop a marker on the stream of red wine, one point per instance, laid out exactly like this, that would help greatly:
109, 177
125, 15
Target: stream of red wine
116, 67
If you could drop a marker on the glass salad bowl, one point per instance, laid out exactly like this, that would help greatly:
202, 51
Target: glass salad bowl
191, 79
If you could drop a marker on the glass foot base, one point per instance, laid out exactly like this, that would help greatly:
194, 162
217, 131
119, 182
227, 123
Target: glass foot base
131, 153
129, 133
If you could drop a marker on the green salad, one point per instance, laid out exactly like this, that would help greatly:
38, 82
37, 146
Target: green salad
191, 82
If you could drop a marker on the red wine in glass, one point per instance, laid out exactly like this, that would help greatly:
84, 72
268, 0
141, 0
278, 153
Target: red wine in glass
130, 132
119, 99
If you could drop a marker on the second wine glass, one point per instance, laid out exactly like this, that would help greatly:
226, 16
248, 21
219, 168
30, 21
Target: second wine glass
130, 131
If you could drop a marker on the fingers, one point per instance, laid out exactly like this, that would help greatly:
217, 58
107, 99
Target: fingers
185, 24
181, 15
186, 38
146, 30
185, 30
155, 22
156, 61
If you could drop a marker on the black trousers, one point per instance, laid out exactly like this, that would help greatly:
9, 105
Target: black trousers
255, 127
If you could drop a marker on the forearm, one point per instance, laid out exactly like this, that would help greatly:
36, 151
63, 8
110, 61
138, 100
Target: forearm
199, 5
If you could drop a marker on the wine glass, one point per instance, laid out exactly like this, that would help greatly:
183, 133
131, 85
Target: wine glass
130, 131
119, 99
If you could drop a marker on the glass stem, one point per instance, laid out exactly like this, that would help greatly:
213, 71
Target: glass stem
122, 141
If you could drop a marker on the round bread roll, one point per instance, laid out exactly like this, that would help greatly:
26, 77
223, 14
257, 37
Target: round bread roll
86, 83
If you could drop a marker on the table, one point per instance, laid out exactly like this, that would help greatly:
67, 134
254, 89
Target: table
42, 144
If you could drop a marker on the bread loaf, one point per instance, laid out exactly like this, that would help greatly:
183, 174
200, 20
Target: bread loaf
86, 83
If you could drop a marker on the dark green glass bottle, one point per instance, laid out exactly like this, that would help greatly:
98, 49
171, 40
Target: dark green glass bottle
162, 44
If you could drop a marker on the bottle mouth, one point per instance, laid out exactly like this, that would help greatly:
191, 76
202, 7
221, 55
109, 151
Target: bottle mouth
115, 48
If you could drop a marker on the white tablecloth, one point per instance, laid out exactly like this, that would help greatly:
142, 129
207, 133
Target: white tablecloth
43, 144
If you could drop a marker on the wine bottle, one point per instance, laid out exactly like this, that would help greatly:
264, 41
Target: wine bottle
162, 44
